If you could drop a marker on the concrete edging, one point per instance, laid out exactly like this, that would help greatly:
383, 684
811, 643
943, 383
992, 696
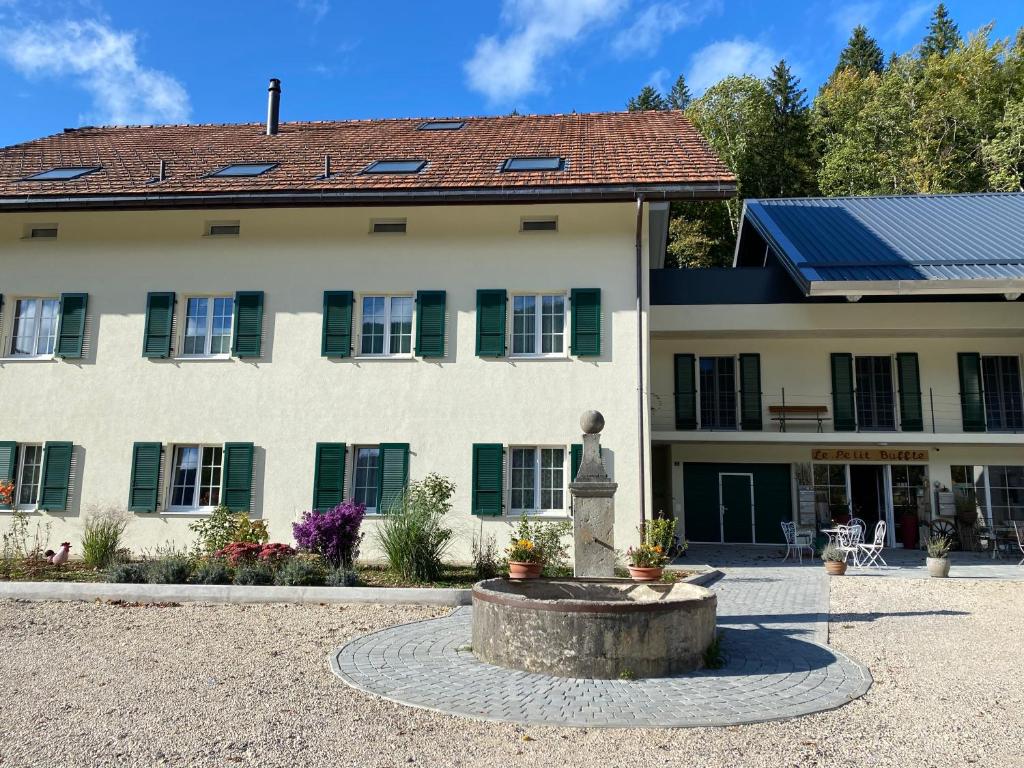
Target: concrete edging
215, 593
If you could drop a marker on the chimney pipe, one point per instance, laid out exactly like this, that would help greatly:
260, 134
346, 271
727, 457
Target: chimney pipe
273, 105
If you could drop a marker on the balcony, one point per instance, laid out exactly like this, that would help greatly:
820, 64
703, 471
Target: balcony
724, 285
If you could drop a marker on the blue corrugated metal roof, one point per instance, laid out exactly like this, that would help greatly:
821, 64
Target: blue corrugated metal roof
977, 237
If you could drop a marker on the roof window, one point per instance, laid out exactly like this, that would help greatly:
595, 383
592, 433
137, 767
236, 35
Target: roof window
539, 225
62, 174
223, 229
387, 226
395, 166
441, 125
534, 164
243, 169
40, 231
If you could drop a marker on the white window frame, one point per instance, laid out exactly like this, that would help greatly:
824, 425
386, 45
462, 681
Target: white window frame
211, 299
388, 298
19, 477
15, 301
194, 509
538, 330
355, 473
537, 475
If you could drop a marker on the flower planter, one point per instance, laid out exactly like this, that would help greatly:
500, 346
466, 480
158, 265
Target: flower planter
835, 567
938, 567
517, 570
645, 574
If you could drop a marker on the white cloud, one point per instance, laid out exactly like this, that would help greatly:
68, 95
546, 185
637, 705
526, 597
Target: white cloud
506, 69
106, 63
910, 19
729, 57
849, 16
644, 35
317, 8
658, 80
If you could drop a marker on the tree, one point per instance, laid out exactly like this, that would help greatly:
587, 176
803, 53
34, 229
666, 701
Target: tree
1004, 152
943, 36
679, 97
647, 99
861, 54
789, 170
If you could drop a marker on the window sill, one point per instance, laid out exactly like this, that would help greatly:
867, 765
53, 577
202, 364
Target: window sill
538, 357
188, 512
203, 358
520, 515
30, 359
391, 358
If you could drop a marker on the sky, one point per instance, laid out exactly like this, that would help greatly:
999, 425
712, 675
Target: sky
67, 63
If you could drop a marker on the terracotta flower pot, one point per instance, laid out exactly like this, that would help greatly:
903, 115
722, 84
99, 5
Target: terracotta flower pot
835, 567
938, 567
517, 570
645, 574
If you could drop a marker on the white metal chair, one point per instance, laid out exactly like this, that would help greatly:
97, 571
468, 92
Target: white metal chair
794, 543
1018, 528
861, 529
870, 555
846, 541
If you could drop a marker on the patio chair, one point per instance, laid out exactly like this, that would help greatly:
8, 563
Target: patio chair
796, 541
870, 555
861, 529
1018, 528
846, 541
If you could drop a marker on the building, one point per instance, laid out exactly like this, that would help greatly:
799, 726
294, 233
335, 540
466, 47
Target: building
866, 348
275, 317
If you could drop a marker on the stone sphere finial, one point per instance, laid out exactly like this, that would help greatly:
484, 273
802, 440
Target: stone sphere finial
591, 422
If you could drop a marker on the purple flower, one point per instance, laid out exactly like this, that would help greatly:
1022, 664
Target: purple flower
333, 534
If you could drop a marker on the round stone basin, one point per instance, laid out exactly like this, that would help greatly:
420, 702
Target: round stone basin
612, 628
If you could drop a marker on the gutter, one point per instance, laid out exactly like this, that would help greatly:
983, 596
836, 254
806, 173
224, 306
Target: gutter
640, 414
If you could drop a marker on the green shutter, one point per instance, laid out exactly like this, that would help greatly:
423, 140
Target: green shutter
586, 321
488, 479
56, 477
8, 463
392, 475
844, 417
972, 401
909, 378
248, 324
491, 308
430, 311
145, 485
575, 459
337, 335
686, 392
750, 392
329, 475
236, 492
71, 337
159, 320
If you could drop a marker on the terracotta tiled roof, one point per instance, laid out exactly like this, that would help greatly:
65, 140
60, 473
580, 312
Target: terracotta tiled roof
605, 153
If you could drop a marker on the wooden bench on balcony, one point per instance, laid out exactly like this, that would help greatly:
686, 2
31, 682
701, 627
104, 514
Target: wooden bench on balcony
786, 413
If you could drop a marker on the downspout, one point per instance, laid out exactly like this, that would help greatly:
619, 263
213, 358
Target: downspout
640, 356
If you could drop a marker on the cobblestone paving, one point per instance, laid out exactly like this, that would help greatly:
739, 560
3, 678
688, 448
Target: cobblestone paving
773, 624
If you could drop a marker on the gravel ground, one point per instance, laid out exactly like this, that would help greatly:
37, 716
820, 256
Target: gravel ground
195, 685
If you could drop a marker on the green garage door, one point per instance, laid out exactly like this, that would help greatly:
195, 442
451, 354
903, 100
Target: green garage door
772, 501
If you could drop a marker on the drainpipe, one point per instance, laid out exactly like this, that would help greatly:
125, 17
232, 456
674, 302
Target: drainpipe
640, 415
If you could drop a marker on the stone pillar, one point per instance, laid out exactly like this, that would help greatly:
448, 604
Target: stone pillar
593, 506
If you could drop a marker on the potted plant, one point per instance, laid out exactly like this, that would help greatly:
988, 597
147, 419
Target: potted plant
834, 559
525, 558
938, 556
647, 559
6, 493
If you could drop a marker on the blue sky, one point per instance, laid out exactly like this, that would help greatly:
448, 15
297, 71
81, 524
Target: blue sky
66, 63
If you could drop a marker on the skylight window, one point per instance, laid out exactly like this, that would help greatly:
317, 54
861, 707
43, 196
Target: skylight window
62, 174
244, 169
395, 166
441, 125
534, 164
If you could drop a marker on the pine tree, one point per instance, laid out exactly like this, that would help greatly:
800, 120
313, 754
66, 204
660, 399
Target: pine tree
943, 35
861, 53
647, 99
790, 169
679, 97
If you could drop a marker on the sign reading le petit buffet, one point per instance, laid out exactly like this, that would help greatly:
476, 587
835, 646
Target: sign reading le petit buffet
869, 454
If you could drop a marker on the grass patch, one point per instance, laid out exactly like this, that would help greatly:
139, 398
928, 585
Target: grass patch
74, 570
453, 576
714, 656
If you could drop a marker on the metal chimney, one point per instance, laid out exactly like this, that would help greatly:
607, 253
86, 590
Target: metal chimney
273, 105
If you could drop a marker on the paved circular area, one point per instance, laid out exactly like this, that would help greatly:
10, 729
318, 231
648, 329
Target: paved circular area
768, 675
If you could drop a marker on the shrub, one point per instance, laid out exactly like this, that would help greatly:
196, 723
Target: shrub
222, 527
238, 552
939, 546
413, 535
342, 577
485, 557
101, 538
127, 573
334, 534
656, 538
276, 555
830, 553
541, 542
212, 570
169, 569
301, 572
254, 574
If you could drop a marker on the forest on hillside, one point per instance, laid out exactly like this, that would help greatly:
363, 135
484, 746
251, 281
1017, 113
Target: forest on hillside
945, 117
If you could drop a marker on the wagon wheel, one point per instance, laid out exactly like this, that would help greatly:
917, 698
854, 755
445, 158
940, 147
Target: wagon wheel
945, 528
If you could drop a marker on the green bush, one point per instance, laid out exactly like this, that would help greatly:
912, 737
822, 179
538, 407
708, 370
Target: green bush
127, 573
169, 569
342, 577
301, 572
486, 561
550, 539
222, 527
413, 535
254, 575
101, 538
212, 570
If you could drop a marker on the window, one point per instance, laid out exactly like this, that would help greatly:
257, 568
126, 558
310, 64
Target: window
718, 393
243, 169
830, 488
1004, 410
208, 321
441, 125
387, 226
538, 325
42, 231
387, 325
224, 229
365, 485
62, 174
998, 490
909, 489
395, 166
539, 225
538, 480
35, 327
196, 477
534, 164
30, 464
874, 393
